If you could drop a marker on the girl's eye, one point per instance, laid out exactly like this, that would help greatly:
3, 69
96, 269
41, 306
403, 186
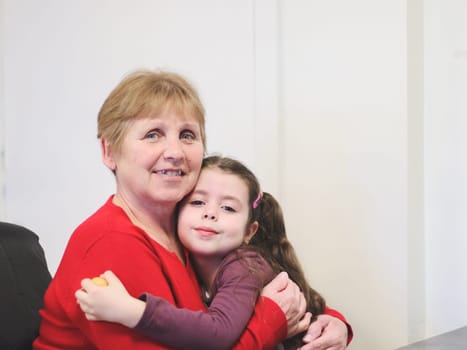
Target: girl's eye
196, 202
228, 208
188, 136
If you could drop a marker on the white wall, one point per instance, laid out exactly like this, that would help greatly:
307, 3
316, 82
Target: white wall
326, 100
345, 165
61, 61
445, 163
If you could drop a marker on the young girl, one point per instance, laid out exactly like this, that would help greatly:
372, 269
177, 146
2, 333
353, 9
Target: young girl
237, 240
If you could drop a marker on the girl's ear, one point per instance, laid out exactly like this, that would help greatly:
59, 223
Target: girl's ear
252, 229
107, 155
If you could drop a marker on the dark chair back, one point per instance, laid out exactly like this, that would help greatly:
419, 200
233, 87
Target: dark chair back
24, 277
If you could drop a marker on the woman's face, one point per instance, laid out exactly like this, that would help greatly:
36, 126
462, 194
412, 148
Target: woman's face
160, 159
213, 218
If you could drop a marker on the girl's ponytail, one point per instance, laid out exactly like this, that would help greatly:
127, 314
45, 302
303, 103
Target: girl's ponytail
271, 240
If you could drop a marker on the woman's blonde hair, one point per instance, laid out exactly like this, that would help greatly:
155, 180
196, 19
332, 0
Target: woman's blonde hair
147, 93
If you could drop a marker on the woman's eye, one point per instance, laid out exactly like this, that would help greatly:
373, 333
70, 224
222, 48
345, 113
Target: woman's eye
188, 136
153, 135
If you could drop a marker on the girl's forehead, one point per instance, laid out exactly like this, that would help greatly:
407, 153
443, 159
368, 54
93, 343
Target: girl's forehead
219, 185
210, 177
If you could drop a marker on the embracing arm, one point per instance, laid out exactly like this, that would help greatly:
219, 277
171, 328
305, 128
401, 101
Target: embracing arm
277, 313
329, 331
337, 314
217, 328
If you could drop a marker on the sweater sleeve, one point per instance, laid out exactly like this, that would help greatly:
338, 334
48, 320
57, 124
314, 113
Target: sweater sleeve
231, 308
335, 313
266, 329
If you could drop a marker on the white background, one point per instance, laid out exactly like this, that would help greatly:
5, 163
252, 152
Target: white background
353, 113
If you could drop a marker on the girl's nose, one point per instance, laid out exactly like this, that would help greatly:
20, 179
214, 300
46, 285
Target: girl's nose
210, 216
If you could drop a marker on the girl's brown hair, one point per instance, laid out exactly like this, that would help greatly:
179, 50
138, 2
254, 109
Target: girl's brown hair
270, 239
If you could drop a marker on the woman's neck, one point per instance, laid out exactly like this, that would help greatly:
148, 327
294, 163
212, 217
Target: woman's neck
157, 221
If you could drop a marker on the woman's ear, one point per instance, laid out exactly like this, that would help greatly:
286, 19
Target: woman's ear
107, 155
252, 229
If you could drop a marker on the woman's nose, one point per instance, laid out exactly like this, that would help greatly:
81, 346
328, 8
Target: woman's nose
173, 150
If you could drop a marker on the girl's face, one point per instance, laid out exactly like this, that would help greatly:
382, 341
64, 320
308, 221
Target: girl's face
159, 161
213, 218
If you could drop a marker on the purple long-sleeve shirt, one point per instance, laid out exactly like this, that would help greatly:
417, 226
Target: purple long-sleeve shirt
237, 284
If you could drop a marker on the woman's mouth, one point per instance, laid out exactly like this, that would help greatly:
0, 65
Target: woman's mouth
170, 172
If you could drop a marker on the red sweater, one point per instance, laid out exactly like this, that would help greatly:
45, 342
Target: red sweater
109, 241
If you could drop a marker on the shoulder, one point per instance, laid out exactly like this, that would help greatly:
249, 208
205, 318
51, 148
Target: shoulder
108, 225
247, 257
245, 263
107, 216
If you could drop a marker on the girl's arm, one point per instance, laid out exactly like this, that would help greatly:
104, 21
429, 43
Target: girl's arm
218, 328
110, 303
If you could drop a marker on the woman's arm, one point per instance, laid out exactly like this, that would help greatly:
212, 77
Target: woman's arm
330, 331
338, 315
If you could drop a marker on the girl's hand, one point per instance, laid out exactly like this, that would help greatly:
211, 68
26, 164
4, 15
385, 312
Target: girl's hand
326, 333
110, 303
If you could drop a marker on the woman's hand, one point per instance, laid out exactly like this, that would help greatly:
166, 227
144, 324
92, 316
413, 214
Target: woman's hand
285, 293
109, 303
326, 333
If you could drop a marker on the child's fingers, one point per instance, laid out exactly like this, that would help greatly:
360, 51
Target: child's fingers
87, 284
110, 277
113, 280
80, 295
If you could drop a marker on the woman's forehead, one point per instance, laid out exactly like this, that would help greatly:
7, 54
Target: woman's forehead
173, 113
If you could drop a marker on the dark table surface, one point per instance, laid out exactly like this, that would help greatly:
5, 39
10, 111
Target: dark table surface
454, 340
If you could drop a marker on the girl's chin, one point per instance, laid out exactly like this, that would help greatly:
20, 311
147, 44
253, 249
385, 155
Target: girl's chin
202, 253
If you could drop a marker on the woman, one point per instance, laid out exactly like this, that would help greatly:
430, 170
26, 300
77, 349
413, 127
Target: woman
151, 129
